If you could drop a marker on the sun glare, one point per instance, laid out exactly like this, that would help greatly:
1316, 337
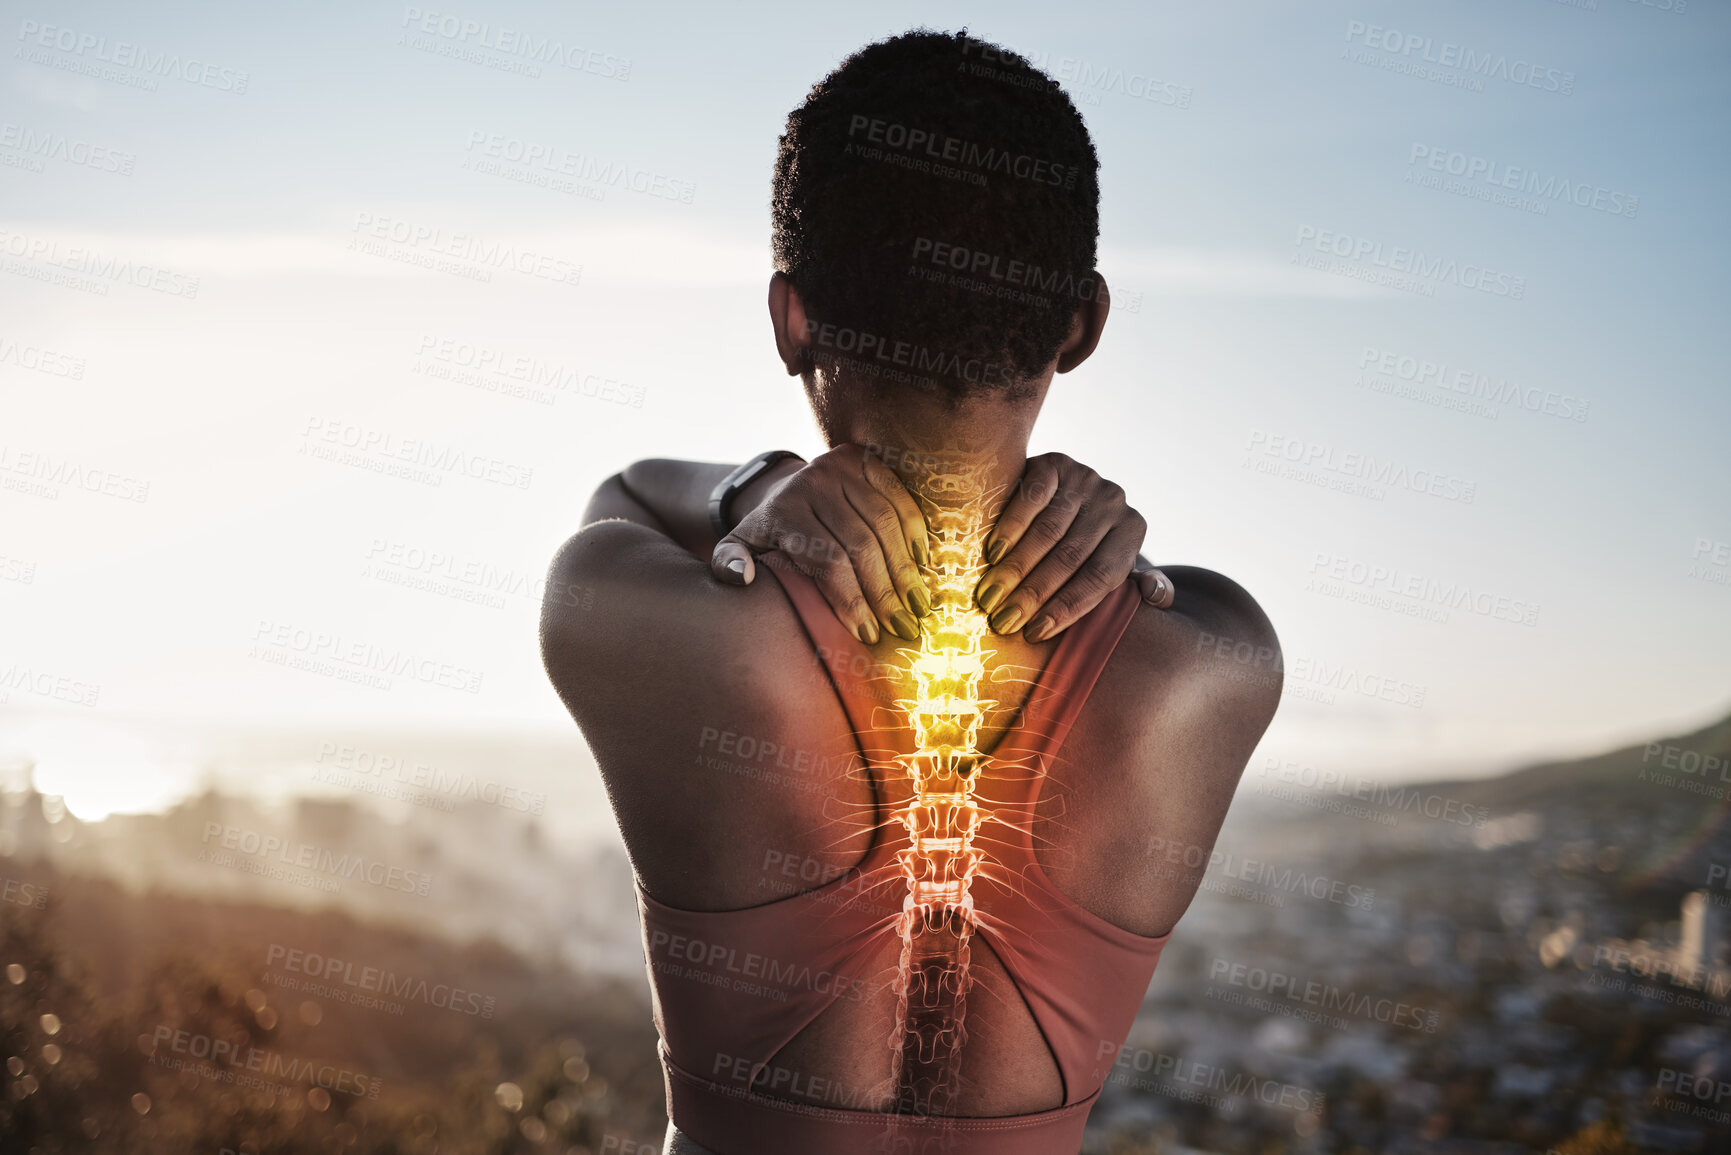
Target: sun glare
99, 769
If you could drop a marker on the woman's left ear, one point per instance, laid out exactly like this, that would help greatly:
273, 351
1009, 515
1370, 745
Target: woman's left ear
1089, 323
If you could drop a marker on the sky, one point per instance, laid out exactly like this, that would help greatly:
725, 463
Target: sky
1418, 333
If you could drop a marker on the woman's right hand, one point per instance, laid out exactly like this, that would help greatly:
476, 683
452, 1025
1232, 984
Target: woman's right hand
846, 522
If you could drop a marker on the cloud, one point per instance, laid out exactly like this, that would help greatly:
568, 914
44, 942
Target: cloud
1223, 273
617, 253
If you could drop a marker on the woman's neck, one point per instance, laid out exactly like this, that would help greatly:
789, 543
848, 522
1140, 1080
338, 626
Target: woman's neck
954, 478
953, 452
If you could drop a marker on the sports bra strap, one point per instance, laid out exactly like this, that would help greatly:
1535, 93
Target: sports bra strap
867, 687
1071, 671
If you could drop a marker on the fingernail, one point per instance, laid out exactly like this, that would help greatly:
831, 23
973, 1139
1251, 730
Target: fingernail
994, 551
922, 551
990, 596
904, 625
919, 601
1039, 628
868, 632
1162, 595
1007, 621
737, 565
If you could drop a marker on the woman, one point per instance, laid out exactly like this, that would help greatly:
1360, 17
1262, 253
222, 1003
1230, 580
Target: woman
890, 809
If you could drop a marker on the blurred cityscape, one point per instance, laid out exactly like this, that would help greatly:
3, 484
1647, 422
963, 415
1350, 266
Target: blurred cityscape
1535, 962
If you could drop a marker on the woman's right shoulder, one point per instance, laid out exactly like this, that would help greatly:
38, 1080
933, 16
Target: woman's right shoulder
623, 601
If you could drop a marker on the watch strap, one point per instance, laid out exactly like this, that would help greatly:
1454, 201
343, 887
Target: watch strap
738, 480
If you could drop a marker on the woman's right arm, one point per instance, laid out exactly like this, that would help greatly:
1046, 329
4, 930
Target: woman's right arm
672, 497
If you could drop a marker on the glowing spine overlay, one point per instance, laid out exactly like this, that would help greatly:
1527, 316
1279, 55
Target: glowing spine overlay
940, 862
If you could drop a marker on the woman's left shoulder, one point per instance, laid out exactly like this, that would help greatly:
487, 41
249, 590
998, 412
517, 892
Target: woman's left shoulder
1213, 635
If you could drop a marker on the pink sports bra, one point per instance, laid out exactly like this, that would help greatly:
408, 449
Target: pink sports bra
732, 988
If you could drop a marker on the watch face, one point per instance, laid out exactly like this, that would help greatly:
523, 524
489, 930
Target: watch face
747, 473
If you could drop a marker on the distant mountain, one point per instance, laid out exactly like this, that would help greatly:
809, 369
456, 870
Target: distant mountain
1694, 765
1655, 812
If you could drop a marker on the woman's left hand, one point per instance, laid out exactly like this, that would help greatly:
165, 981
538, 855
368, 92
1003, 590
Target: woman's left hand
1066, 539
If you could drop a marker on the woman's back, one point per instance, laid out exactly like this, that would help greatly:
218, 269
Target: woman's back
764, 765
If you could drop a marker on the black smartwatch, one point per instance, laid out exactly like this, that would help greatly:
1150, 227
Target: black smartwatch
738, 480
